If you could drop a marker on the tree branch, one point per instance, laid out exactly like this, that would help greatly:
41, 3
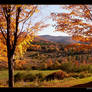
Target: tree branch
30, 13
16, 30
3, 34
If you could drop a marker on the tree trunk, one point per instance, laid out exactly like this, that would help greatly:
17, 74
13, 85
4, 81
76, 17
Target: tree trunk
10, 72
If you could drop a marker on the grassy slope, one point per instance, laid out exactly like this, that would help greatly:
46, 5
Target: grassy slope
68, 82
4, 74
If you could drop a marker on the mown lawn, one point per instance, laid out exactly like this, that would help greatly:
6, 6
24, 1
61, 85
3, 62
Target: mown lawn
67, 82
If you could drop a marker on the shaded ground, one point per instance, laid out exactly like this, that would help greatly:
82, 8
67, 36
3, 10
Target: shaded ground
86, 85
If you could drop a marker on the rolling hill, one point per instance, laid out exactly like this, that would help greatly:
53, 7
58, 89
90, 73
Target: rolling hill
58, 39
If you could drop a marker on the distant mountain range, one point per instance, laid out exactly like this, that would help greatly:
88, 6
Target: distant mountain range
59, 39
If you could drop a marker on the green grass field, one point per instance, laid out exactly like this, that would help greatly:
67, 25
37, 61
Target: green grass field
67, 82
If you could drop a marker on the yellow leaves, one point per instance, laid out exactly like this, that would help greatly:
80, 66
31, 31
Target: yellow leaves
31, 40
72, 12
29, 29
3, 58
78, 44
87, 12
20, 48
23, 44
87, 38
27, 36
36, 10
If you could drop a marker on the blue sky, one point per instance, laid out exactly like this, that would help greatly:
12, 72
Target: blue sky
46, 10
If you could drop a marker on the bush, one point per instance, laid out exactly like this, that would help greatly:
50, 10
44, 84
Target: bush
80, 75
55, 66
56, 75
43, 66
75, 68
83, 68
40, 77
24, 76
71, 67
67, 66
74, 75
28, 77
85, 74
19, 77
90, 68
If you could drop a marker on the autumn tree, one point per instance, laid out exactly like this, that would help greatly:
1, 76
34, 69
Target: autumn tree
49, 62
77, 22
16, 32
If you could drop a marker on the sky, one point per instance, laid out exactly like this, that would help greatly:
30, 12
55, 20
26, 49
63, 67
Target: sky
46, 10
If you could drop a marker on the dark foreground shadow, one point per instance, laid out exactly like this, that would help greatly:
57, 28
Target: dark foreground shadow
86, 85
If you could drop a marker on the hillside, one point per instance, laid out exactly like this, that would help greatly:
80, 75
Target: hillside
60, 39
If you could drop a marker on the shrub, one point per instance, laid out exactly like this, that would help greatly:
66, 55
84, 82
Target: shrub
71, 67
24, 76
75, 68
74, 75
83, 68
56, 65
84, 74
19, 76
90, 68
56, 75
67, 66
43, 66
30, 77
80, 75
40, 76
34, 67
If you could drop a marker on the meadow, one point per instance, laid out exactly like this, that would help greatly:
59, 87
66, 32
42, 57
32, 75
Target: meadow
66, 82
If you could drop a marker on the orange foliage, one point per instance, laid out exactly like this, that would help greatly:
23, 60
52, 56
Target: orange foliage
76, 22
20, 63
84, 62
49, 62
57, 75
77, 63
